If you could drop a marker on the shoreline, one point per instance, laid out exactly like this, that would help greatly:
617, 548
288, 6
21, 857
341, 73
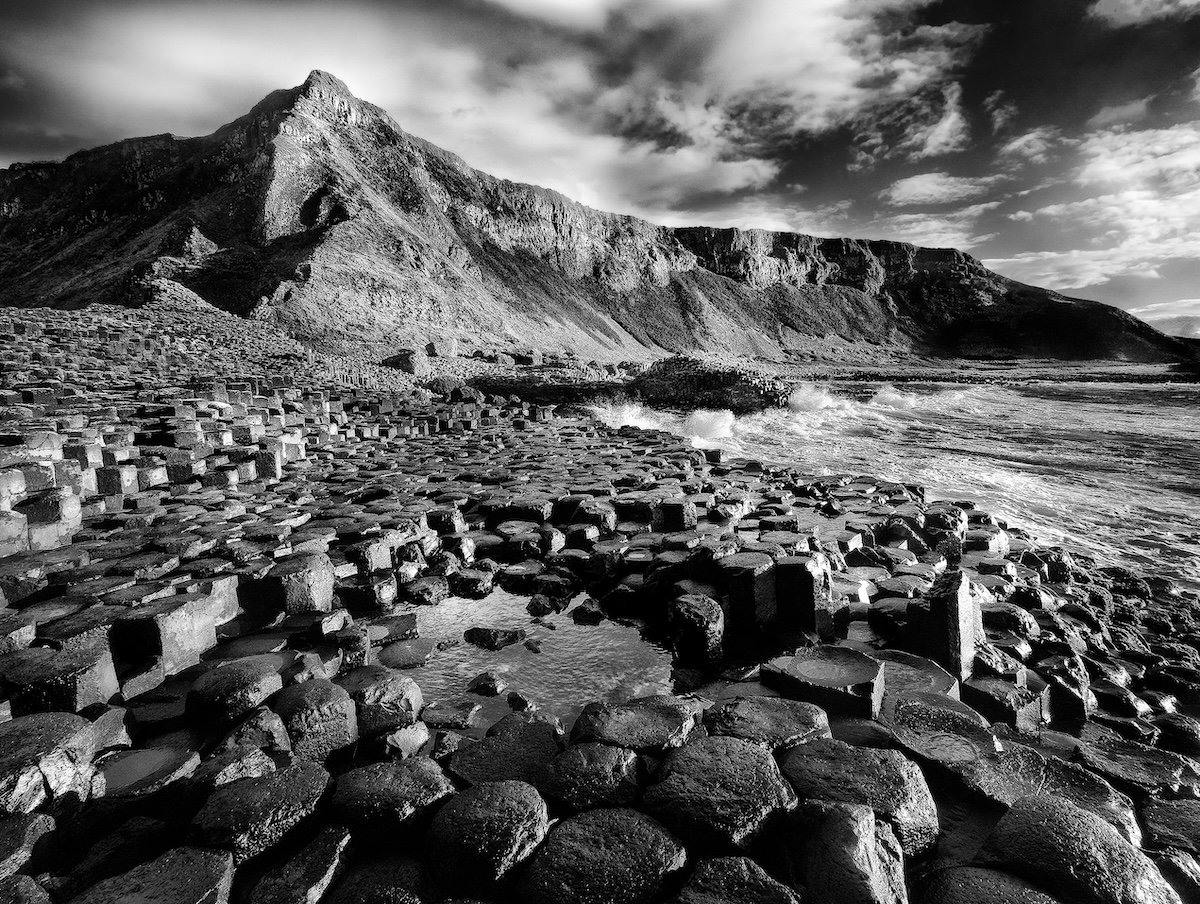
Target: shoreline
210, 637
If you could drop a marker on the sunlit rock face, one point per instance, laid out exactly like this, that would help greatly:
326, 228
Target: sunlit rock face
317, 213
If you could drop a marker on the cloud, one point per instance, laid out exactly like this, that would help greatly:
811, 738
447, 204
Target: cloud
1138, 12
937, 188
632, 106
1139, 207
1181, 307
571, 13
949, 134
11, 81
1001, 110
1035, 146
1134, 111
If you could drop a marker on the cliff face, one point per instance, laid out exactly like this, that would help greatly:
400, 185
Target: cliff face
315, 211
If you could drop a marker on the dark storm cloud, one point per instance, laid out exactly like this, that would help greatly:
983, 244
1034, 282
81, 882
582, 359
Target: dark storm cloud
1055, 139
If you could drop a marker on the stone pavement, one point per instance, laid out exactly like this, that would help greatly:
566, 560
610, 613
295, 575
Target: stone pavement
210, 599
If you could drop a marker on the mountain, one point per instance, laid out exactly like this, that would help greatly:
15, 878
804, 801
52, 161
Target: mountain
316, 212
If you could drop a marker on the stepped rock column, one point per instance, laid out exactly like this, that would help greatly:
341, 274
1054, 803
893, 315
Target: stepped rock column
953, 619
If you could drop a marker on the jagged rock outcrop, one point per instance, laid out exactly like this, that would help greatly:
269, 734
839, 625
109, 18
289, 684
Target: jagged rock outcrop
317, 213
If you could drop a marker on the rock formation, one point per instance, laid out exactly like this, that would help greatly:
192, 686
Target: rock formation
317, 213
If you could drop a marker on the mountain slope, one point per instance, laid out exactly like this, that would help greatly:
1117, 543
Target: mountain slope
315, 211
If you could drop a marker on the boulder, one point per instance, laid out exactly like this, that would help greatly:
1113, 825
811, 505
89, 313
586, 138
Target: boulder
262, 730
516, 748
410, 361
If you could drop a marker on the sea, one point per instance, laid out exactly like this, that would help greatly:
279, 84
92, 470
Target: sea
1111, 471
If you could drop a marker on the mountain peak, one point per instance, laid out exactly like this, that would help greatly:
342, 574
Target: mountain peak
321, 82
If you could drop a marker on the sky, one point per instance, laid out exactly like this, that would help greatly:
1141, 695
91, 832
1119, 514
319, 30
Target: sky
1057, 140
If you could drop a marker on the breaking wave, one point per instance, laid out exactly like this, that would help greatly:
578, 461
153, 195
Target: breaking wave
1109, 470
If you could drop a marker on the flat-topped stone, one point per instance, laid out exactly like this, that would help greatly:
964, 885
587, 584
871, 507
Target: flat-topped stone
837, 679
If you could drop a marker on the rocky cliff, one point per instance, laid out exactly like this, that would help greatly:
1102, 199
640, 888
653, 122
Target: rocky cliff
316, 212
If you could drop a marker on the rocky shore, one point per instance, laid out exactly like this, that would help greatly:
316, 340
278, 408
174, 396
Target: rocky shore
213, 590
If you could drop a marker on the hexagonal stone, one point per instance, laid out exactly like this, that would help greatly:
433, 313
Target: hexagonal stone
251, 815
184, 875
320, 719
1007, 775
307, 875
592, 775
883, 780
697, 627
230, 690
941, 735
481, 835
515, 749
733, 880
1137, 768
606, 856
43, 757
837, 679
385, 797
906, 673
407, 654
388, 879
1173, 824
719, 792
261, 729
301, 583
777, 722
646, 724
386, 699
1073, 854
847, 857
39, 679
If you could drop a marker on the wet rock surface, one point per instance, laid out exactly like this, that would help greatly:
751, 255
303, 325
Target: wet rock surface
230, 651
580, 863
